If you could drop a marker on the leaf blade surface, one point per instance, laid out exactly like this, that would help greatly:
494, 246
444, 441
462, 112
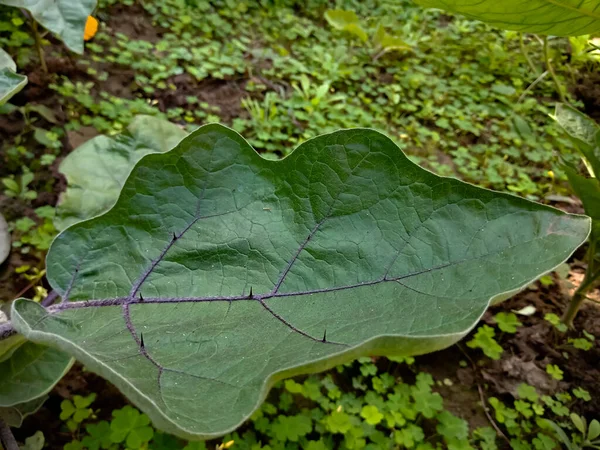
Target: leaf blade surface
218, 272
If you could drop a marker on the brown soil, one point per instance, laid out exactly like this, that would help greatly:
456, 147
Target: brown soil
587, 89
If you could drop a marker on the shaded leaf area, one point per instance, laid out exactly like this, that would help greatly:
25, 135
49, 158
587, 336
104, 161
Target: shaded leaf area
28, 371
14, 415
97, 170
552, 17
218, 272
10, 81
5, 242
65, 18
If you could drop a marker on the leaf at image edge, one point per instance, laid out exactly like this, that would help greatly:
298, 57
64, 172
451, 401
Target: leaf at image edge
550, 17
64, 18
348, 248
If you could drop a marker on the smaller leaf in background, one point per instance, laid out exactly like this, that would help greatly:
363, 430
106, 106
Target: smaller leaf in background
291, 428
10, 81
484, 339
554, 371
130, 426
582, 394
527, 392
555, 321
594, 430
76, 411
371, 414
582, 130
14, 415
507, 322
30, 372
387, 42
346, 21
4, 239
97, 169
98, 436
64, 18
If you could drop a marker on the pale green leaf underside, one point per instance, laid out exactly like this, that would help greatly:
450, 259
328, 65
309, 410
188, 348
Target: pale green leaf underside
97, 169
5, 241
10, 81
552, 17
14, 415
31, 372
236, 271
65, 18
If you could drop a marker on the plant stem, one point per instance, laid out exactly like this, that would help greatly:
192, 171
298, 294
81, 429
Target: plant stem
8, 440
38, 45
547, 59
587, 283
526, 54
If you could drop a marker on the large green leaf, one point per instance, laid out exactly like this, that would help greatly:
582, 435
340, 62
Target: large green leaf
218, 272
65, 18
553, 17
10, 81
31, 372
96, 170
346, 21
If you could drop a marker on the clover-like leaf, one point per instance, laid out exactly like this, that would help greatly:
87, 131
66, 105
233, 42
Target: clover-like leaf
218, 272
552, 17
130, 427
507, 322
98, 436
65, 18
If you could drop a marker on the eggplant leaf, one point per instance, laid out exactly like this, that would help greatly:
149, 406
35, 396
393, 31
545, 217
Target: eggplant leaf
10, 81
96, 170
552, 17
31, 372
218, 272
65, 18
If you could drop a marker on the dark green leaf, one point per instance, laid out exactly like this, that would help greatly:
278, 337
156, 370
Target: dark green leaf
218, 272
65, 18
96, 170
10, 81
30, 372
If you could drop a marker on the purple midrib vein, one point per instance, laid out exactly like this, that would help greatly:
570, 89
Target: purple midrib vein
244, 297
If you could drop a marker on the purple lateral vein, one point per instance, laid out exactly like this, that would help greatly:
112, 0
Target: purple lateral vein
293, 328
138, 284
296, 255
140, 344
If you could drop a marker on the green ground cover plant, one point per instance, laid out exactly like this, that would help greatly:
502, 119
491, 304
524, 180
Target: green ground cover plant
270, 249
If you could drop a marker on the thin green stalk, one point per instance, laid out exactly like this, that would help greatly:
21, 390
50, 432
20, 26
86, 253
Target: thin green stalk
6, 437
588, 282
38, 45
526, 55
547, 59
